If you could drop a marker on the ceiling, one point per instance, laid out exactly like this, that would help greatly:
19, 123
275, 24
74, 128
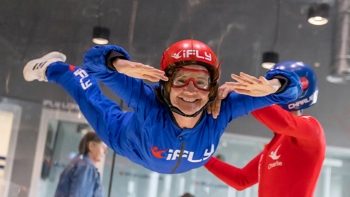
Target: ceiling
239, 31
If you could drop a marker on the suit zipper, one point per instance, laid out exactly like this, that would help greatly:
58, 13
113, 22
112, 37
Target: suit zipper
180, 158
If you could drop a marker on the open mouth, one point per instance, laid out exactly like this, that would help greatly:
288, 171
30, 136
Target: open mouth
189, 100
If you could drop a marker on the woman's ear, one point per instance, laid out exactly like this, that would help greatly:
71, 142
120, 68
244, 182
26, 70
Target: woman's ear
90, 146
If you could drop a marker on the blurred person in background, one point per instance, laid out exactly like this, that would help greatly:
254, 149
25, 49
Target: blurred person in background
81, 178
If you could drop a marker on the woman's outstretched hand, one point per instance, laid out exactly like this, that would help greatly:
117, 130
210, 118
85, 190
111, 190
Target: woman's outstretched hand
252, 86
245, 84
139, 70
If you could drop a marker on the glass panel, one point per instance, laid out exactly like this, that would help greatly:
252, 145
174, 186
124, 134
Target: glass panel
14, 190
61, 145
132, 180
334, 180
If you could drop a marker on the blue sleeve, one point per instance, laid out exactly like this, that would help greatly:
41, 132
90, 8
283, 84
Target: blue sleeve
236, 105
134, 92
83, 180
105, 116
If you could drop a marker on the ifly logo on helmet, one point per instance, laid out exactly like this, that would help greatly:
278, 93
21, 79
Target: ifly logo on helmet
190, 52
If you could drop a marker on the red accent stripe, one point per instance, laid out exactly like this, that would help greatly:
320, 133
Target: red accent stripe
71, 67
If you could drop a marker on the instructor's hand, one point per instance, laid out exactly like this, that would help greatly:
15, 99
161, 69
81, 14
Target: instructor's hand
139, 70
214, 107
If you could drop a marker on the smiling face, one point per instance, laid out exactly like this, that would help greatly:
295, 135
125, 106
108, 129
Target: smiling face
189, 98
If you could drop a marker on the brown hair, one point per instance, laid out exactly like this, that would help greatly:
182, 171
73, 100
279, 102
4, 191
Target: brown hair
187, 195
84, 142
169, 71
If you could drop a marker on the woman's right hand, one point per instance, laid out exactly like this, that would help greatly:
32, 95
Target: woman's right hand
139, 70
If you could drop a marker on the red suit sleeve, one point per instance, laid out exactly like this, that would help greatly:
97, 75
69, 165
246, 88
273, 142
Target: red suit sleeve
235, 177
283, 122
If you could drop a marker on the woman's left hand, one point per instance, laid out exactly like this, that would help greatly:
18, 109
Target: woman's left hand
245, 84
252, 86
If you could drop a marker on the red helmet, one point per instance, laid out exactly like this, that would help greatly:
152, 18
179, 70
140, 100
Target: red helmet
189, 50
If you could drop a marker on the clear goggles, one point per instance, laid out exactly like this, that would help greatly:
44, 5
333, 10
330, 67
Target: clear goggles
199, 78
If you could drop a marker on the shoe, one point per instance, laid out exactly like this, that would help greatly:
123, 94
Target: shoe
36, 69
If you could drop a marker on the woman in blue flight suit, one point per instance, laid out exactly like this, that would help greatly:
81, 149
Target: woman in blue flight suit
168, 131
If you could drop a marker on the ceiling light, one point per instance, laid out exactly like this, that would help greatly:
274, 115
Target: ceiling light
269, 59
318, 14
100, 35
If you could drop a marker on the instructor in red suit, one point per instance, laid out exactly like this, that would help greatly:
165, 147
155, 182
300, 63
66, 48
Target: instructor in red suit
291, 162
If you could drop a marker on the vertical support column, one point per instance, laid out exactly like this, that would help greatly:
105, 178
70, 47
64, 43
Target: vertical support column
327, 181
340, 71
